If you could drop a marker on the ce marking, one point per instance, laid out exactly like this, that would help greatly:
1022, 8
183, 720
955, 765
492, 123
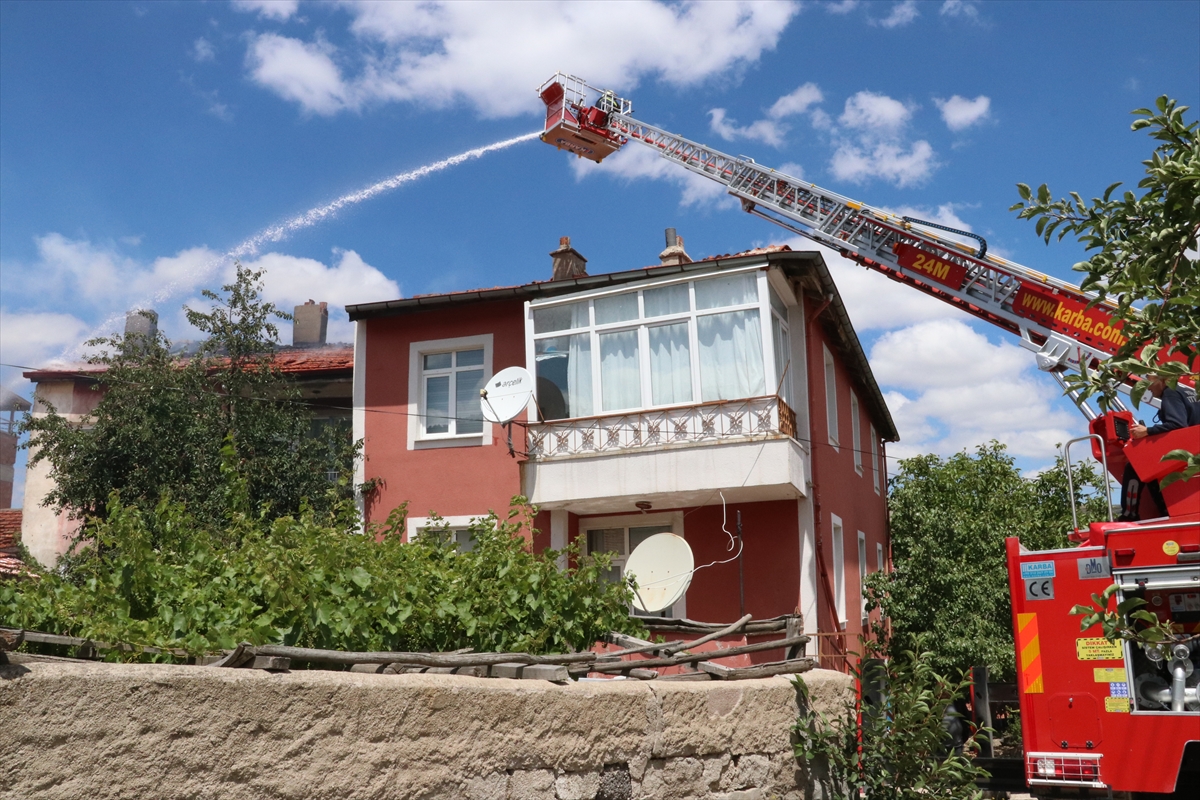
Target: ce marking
1039, 589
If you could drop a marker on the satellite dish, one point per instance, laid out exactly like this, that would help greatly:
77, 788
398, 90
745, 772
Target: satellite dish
505, 394
662, 566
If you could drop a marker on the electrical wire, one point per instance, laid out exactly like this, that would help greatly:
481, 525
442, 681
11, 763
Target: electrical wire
98, 377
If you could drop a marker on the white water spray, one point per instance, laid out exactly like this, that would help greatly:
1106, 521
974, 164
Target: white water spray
280, 232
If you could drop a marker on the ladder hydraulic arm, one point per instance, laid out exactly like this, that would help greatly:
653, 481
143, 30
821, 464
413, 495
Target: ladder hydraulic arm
1051, 317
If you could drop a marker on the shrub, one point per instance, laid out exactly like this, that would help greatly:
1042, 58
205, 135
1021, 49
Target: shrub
904, 751
162, 578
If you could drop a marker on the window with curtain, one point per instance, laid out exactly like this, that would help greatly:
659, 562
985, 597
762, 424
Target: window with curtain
698, 340
783, 348
450, 384
839, 570
874, 459
862, 575
856, 433
831, 415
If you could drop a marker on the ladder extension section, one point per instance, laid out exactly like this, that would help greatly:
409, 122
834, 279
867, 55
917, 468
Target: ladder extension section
1049, 315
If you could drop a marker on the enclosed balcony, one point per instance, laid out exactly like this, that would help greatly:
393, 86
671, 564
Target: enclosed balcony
670, 457
680, 370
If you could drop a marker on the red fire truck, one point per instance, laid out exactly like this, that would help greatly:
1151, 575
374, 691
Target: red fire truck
1096, 715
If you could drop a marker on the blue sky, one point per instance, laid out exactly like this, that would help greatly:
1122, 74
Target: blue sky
140, 141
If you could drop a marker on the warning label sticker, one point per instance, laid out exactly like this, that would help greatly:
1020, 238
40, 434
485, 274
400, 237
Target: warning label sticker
1097, 650
1118, 690
1037, 569
1117, 705
1109, 674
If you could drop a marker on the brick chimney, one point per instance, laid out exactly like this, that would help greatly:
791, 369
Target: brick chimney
567, 262
674, 255
141, 322
309, 324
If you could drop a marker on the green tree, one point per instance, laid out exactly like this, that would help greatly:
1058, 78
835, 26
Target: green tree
185, 426
1143, 258
949, 520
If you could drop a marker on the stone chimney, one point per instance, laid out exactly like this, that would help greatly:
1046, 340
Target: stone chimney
141, 322
567, 263
309, 324
674, 255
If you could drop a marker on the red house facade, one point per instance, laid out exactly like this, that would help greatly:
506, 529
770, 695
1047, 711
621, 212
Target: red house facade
704, 398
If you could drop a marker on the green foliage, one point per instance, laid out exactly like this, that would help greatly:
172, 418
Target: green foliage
1143, 257
903, 753
1128, 621
162, 578
185, 427
949, 520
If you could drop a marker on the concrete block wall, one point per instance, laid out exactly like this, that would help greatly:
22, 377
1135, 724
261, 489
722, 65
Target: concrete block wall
108, 731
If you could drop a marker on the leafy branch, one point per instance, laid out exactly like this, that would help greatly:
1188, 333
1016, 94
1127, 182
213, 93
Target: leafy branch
1142, 261
1128, 621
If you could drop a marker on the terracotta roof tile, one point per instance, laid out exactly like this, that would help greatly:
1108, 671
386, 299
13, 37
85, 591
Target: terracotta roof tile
291, 361
10, 533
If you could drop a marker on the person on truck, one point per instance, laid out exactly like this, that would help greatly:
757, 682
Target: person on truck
1178, 409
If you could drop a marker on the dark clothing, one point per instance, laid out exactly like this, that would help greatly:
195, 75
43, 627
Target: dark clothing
1179, 410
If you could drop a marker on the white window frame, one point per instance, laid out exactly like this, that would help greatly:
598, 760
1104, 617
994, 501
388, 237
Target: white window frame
856, 432
417, 438
879, 561
862, 573
627, 521
416, 526
837, 535
831, 410
874, 458
777, 284
642, 324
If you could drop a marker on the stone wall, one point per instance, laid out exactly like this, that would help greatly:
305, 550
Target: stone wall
70, 730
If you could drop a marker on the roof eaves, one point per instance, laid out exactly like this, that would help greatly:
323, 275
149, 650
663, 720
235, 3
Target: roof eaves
539, 289
852, 349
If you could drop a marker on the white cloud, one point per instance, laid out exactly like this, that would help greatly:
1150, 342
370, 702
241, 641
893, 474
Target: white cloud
636, 163
290, 281
791, 168
841, 7
101, 284
29, 339
960, 8
771, 129
799, 101
491, 55
960, 113
767, 131
886, 160
269, 9
870, 143
949, 388
298, 71
902, 14
202, 50
873, 111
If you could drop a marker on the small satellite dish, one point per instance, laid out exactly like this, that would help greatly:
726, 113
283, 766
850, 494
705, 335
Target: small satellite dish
662, 566
505, 394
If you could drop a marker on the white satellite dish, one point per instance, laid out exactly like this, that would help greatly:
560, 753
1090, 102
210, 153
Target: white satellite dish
505, 394
662, 566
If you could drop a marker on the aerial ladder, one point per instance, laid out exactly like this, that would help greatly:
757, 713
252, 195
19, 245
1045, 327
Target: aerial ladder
1095, 714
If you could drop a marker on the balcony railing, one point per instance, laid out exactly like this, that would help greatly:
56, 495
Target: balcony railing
725, 420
